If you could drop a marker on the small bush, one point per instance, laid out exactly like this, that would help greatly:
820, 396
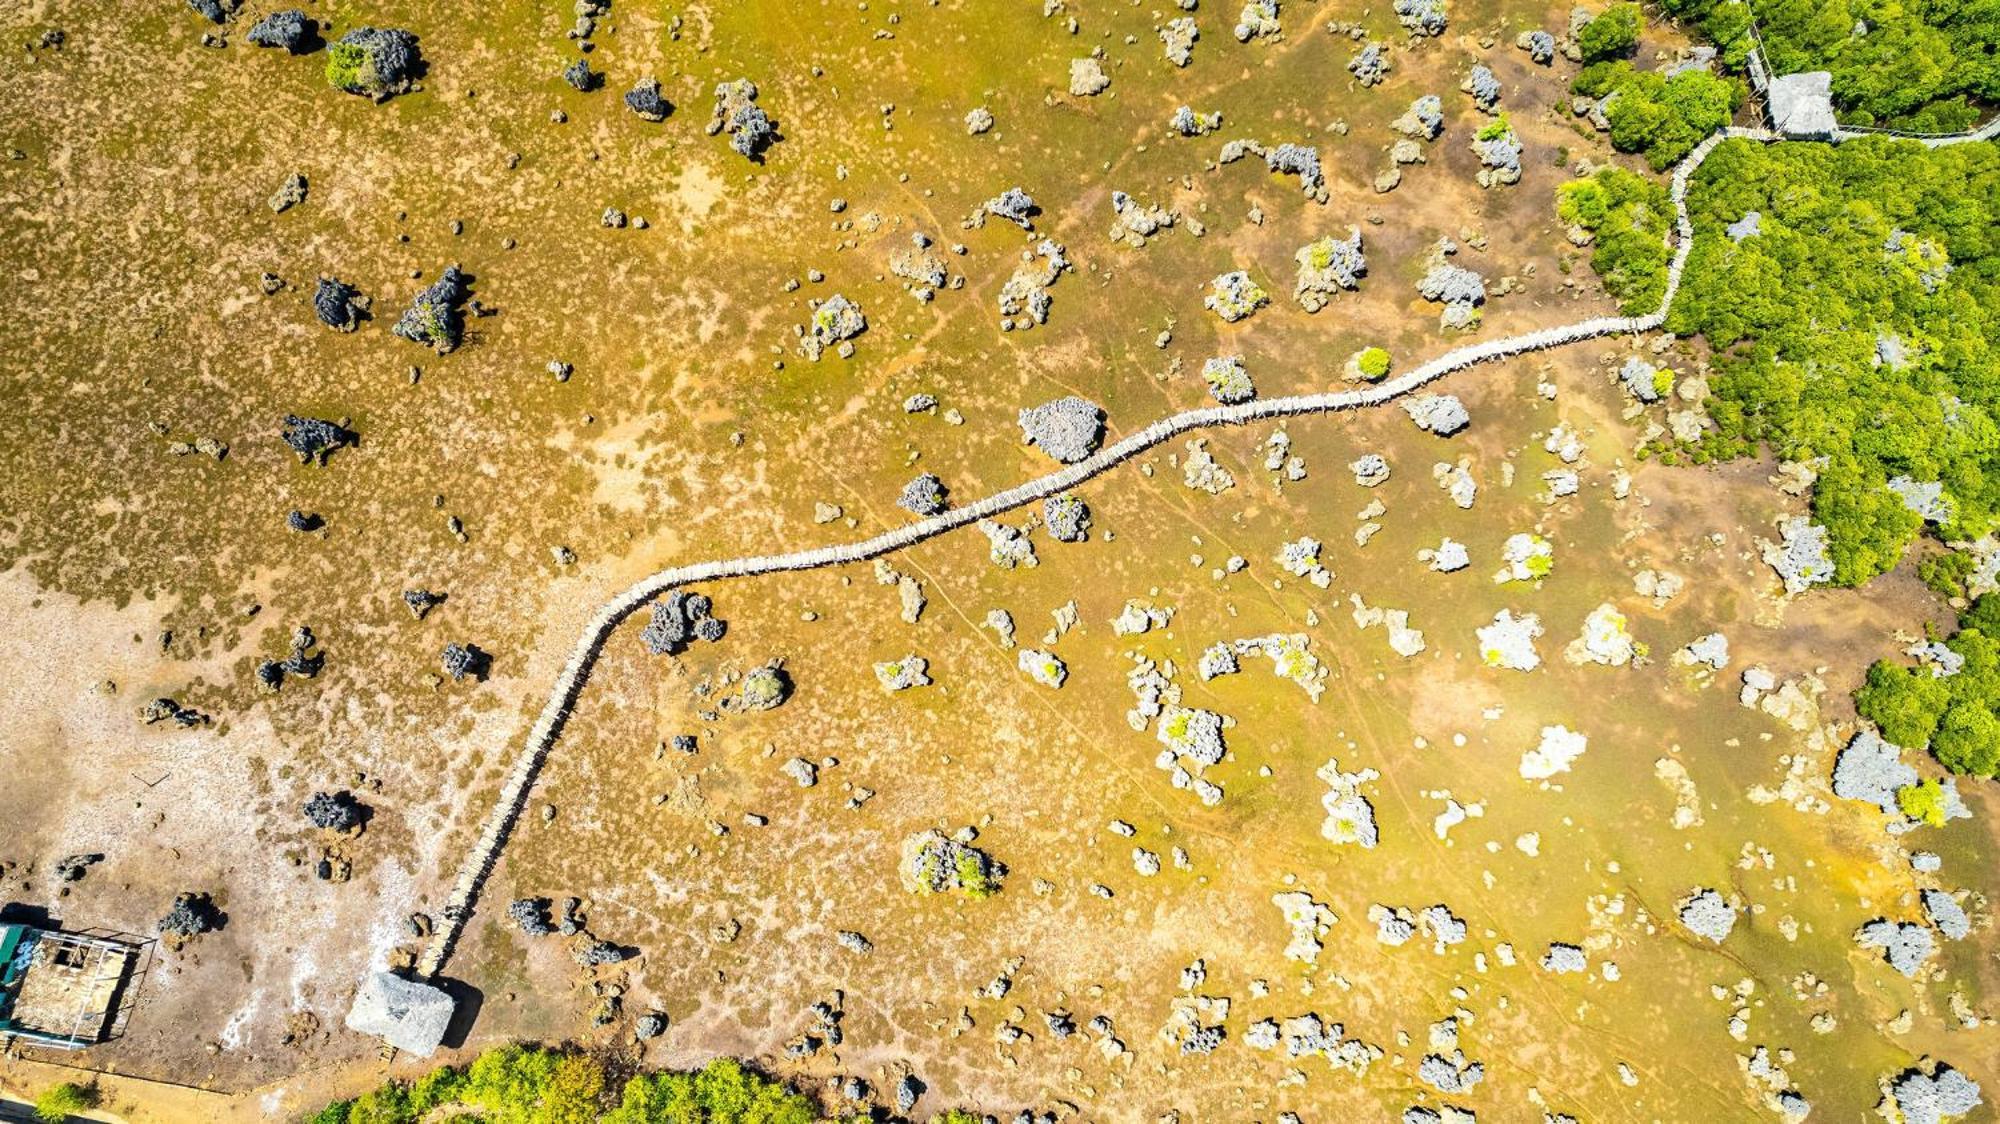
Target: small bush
59, 1102
345, 64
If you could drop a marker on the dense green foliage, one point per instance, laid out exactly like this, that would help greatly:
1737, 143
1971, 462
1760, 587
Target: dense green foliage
59, 1102
1953, 716
1661, 117
723, 1092
534, 1085
1372, 362
1915, 65
1798, 315
1612, 34
1946, 573
1628, 216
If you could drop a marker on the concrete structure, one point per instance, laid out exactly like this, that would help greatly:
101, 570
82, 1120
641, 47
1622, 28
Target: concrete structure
1802, 105
405, 1013
60, 990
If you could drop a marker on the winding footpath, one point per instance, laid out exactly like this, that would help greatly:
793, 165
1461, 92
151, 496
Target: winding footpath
548, 727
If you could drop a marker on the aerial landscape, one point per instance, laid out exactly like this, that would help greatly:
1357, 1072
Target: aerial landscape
1288, 561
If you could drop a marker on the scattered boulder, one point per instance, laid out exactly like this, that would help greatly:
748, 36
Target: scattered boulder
1424, 120
750, 129
1370, 470
1707, 914
1509, 642
1872, 769
934, 863
1801, 556
1440, 414
679, 619
1460, 290
1188, 123
1257, 20
1540, 45
978, 121
192, 915
1233, 296
1749, 226
1227, 380
1499, 150
1558, 750
766, 688
338, 305
532, 915
461, 660
314, 438
1045, 668
1945, 913
214, 11
926, 496
1422, 17
1927, 1098
433, 318
375, 62
1067, 429
290, 194
1326, 267
644, 100
581, 78
289, 28
1087, 78
1179, 36
1904, 944
1067, 517
1302, 161
902, 674
334, 811
1370, 64
71, 868
1484, 86
1562, 959
1014, 205
421, 601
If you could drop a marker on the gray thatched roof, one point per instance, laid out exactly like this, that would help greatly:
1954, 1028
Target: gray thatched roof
1802, 104
407, 1014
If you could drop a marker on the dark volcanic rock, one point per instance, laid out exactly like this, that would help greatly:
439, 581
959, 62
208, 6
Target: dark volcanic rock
461, 660
291, 29
338, 305
433, 318
375, 62
644, 99
313, 438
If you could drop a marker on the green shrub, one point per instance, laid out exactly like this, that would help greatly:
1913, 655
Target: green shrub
1373, 363
1627, 215
1613, 34
1923, 802
346, 67
59, 1102
1952, 715
1945, 573
1662, 117
722, 1092
1904, 703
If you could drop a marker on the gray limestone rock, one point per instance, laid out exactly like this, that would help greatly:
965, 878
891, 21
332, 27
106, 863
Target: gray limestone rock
1067, 429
